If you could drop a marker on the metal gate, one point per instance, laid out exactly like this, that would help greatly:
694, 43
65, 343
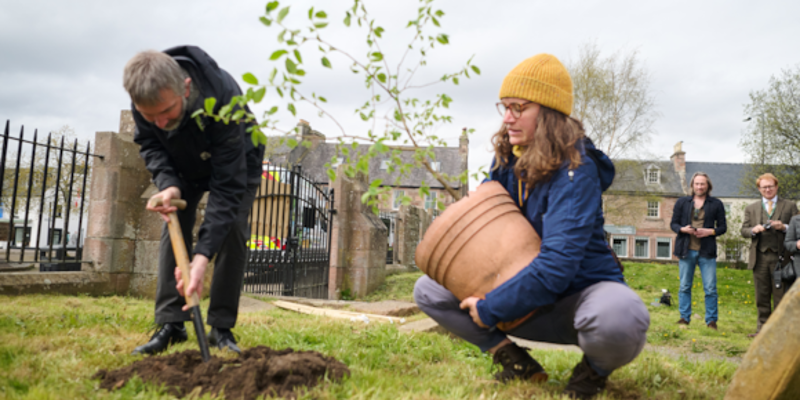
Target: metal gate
289, 244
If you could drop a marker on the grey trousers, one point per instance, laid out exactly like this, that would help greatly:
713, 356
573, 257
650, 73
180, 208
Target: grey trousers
607, 320
766, 293
229, 266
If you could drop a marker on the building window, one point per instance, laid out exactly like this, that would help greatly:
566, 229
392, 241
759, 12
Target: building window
733, 252
338, 162
436, 166
653, 175
641, 247
664, 248
55, 236
22, 236
620, 245
397, 199
652, 209
430, 201
384, 165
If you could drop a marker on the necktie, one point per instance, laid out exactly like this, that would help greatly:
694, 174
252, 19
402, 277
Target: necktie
769, 206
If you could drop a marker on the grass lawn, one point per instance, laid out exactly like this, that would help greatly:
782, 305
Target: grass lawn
51, 345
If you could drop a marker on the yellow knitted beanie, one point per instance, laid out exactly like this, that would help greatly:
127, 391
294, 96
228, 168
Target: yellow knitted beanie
541, 79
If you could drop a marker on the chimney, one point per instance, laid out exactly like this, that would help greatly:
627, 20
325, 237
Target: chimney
678, 159
306, 134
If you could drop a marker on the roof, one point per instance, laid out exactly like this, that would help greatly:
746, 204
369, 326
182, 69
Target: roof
727, 178
631, 174
314, 160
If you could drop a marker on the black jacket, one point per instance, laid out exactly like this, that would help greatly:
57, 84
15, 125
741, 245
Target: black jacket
181, 157
715, 218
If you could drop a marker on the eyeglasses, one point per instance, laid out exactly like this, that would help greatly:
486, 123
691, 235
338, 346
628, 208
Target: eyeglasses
516, 108
770, 187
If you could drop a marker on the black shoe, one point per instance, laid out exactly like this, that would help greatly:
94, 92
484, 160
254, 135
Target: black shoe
170, 333
585, 383
517, 364
223, 339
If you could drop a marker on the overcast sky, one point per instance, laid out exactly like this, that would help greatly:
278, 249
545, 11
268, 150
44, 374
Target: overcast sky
61, 61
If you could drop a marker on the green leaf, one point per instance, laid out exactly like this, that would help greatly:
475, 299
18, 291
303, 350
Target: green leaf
197, 112
347, 20
301, 72
272, 110
325, 62
365, 197
439, 13
322, 99
273, 74
476, 69
382, 77
262, 138
297, 56
443, 39
266, 21
291, 67
435, 21
254, 137
291, 142
363, 116
381, 148
277, 54
376, 56
378, 31
209, 105
271, 6
331, 174
455, 80
283, 13
280, 92
291, 109
250, 78
311, 13
238, 114
259, 94
320, 25
321, 14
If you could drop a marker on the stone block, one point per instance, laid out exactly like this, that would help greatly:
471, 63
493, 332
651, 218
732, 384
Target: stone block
115, 219
146, 260
150, 226
110, 255
144, 285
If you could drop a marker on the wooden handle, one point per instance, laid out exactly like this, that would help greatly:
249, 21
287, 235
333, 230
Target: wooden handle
156, 201
181, 256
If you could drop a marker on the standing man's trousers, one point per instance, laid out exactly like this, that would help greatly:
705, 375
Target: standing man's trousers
607, 320
229, 265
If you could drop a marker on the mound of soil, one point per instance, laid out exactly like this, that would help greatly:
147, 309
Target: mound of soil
257, 371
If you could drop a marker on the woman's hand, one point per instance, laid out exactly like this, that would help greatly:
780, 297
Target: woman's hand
471, 303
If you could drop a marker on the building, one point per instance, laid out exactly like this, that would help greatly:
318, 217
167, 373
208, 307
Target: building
638, 205
314, 156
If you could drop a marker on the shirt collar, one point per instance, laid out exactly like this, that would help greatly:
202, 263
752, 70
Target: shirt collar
774, 200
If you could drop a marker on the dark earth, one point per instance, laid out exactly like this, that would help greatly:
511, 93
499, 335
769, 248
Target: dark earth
257, 371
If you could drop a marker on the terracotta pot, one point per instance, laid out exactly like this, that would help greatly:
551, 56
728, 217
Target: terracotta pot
478, 243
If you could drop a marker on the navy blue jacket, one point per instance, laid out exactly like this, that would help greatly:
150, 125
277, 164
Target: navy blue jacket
567, 214
715, 218
217, 157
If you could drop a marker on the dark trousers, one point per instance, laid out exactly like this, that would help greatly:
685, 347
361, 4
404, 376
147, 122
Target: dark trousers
765, 285
229, 266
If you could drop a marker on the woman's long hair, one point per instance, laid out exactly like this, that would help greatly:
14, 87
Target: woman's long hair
553, 143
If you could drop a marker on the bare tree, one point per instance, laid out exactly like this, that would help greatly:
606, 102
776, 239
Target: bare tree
613, 100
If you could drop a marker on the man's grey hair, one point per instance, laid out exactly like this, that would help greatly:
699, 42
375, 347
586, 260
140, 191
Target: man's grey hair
150, 71
705, 175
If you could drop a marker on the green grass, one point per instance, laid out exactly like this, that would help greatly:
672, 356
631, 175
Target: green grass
51, 345
396, 287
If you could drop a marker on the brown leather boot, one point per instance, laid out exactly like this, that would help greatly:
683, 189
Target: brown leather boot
517, 364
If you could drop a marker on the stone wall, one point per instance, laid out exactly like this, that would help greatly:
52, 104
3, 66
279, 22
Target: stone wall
358, 241
409, 233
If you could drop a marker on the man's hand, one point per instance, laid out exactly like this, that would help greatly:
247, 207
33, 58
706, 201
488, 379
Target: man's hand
758, 229
471, 303
798, 245
778, 225
704, 232
197, 272
165, 208
688, 229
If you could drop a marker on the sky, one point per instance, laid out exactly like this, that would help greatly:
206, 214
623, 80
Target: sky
61, 62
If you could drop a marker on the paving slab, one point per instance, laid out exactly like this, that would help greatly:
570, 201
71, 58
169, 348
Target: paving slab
392, 308
249, 304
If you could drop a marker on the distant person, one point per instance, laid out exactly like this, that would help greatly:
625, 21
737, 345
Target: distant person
698, 220
187, 158
765, 224
574, 288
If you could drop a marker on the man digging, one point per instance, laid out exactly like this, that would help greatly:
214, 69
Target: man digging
188, 157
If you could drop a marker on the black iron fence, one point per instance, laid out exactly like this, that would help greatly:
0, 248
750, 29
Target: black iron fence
290, 235
43, 199
390, 220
